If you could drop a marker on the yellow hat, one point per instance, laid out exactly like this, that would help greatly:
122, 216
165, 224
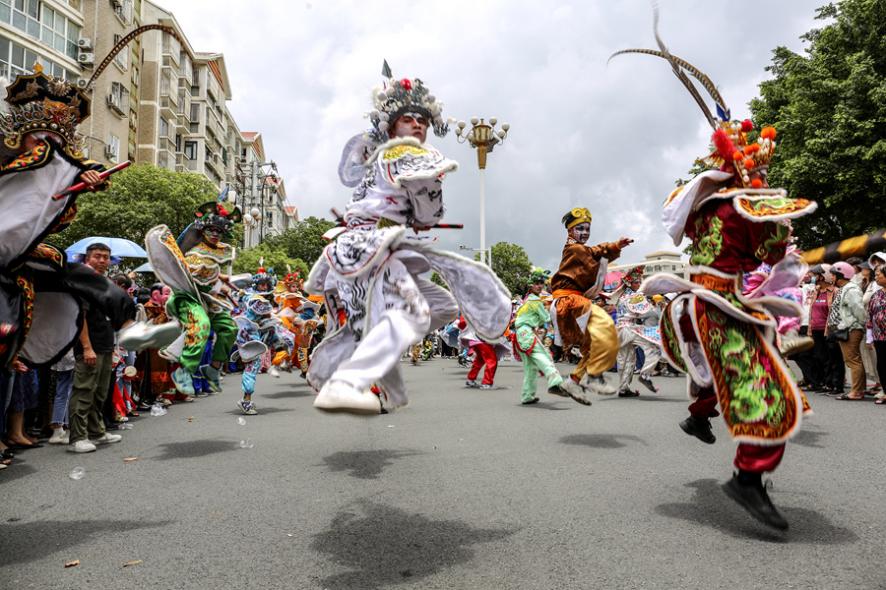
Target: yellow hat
576, 216
658, 298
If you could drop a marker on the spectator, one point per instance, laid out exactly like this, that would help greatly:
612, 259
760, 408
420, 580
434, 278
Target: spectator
24, 398
836, 370
876, 261
877, 325
851, 321
92, 369
64, 380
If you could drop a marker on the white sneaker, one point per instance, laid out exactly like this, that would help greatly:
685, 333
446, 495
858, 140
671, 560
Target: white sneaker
106, 439
338, 396
60, 436
273, 372
81, 446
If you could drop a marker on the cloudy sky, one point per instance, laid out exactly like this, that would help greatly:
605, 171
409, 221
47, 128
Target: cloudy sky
611, 138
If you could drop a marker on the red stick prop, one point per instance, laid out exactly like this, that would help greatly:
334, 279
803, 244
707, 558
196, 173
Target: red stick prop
82, 186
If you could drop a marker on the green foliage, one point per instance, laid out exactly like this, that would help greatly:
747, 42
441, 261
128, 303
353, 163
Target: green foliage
438, 280
829, 107
512, 265
138, 199
304, 240
274, 257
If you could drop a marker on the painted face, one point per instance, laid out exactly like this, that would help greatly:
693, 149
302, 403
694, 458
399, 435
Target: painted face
581, 232
159, 296
536, 288
212, 235
411, 125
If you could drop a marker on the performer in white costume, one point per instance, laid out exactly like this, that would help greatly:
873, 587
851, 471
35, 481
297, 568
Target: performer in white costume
633, 309
373, 267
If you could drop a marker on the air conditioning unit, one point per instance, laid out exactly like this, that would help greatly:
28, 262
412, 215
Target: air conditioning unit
84, 43
86, 59
81, 84
113, 101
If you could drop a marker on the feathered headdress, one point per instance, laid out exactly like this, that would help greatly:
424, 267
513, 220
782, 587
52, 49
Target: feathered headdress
398, 97
731, 150
213, 214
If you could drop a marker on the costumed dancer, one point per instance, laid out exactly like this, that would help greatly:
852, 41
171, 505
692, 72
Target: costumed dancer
257, 333
264, 282
724, 341
633, 309
41, 292
200, 299
578, 321
298, 315
529, 346
486, 356
375, 269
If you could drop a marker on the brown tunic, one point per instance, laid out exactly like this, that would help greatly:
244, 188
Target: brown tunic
580, 263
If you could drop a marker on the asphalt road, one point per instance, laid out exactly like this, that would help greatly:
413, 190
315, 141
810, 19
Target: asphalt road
462, 489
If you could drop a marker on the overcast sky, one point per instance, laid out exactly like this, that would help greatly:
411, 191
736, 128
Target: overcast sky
611, 138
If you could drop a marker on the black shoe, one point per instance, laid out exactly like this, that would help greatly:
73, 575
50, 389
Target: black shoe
628, 393
648, 384
755, 500
529, 402
700, 428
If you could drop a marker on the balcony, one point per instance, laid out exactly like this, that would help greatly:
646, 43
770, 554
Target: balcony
193, 165
166, 143
168, 107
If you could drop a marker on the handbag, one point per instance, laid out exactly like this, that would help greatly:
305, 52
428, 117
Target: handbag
841, 335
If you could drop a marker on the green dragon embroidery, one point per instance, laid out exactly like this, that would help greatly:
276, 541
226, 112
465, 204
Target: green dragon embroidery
709, 243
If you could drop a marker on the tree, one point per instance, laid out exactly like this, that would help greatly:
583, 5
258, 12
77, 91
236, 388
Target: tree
511, 264
829, 107
138, 199
438, 280
274, 257
304, 240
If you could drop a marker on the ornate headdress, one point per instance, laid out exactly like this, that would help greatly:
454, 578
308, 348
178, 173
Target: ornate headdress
732, 151
539, 275
38, 102
264, 276
214, 214
398, 97
635, 274
576, 216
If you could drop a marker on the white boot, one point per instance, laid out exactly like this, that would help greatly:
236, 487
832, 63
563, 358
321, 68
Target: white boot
338, 396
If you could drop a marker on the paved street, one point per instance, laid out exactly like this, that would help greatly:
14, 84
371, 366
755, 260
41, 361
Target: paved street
462, 489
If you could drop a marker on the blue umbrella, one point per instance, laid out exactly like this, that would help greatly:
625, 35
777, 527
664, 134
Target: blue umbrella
120, 247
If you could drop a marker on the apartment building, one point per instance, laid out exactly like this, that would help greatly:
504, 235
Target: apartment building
159, 102
262, 192
111, 131
40, 31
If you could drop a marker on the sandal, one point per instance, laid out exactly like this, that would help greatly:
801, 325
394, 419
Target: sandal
847, 397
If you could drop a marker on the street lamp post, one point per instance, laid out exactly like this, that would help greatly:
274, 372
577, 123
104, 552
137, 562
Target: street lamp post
483, 137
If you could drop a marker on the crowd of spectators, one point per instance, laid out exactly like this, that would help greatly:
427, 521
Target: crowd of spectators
87, 396
845, 314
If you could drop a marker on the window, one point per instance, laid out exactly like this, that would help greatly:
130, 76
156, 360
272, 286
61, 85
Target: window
164, 127
15, 60
191, 150
122, 58
118, 99
112, 150
123, 10
195, 112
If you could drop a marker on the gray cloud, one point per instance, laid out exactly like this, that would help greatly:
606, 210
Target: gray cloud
612, 138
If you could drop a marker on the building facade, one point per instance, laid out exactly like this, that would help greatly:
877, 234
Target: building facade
159, 102
656, 262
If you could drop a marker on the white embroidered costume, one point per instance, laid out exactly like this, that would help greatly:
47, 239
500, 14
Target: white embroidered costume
375, 270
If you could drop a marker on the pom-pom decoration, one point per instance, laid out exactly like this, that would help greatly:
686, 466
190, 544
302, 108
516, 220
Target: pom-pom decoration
768, 133
756, 183
406, 83
747, 125
749, 163
723, 145
751, 149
